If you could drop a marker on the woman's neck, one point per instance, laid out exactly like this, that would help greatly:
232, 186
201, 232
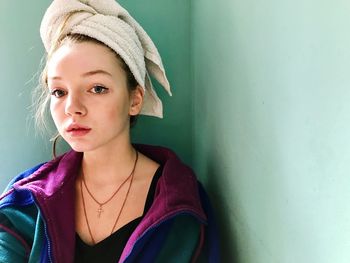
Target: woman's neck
108, 165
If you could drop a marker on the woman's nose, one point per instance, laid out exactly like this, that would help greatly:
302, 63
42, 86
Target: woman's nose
74, 105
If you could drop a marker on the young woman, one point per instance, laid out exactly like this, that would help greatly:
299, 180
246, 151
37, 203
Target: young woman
106, 200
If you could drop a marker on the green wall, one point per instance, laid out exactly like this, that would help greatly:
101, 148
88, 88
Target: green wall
20, 53
21, 50
272, 125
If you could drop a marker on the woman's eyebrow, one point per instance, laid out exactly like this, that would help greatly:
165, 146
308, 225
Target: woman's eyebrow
86, 74
98, 71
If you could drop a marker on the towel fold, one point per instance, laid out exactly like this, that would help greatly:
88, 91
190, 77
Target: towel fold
110, 23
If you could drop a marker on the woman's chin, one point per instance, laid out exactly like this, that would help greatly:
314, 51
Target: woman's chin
79, 147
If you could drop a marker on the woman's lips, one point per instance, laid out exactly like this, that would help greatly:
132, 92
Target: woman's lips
76, 130
79, 132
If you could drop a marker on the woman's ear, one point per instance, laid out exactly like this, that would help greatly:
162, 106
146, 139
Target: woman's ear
136, 100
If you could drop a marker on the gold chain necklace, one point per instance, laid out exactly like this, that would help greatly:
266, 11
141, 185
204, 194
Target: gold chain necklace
100, 210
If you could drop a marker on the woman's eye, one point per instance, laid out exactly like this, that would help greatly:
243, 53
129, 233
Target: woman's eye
98, 89
58, 93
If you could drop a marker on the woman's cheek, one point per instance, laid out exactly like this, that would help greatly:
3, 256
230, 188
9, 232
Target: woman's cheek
55, 113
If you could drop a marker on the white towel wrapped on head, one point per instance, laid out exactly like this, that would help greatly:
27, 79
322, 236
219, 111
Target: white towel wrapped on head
110, 23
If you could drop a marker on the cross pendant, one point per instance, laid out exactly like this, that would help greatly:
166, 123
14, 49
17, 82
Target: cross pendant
99, 211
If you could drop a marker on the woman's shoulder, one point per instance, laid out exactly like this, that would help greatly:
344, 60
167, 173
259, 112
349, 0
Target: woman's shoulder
165, 157
22, 176
177, 188
39, 177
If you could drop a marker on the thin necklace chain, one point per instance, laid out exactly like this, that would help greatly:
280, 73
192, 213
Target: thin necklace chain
100, 209
131, 177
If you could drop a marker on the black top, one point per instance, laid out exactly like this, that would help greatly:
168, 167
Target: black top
111, 248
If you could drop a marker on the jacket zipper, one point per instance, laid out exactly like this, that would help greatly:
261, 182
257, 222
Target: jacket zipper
48, 242
45, 226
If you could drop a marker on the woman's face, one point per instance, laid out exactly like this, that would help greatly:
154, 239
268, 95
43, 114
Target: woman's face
90, 103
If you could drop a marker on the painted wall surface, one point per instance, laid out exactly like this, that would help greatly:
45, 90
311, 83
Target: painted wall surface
272, 126
21, 50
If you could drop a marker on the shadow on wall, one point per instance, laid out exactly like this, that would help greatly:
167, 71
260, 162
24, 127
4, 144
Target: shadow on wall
228, 242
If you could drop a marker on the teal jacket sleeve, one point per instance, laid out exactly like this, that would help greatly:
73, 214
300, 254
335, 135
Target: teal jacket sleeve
13, 247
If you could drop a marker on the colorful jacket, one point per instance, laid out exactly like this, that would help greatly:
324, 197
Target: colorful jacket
37, 212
